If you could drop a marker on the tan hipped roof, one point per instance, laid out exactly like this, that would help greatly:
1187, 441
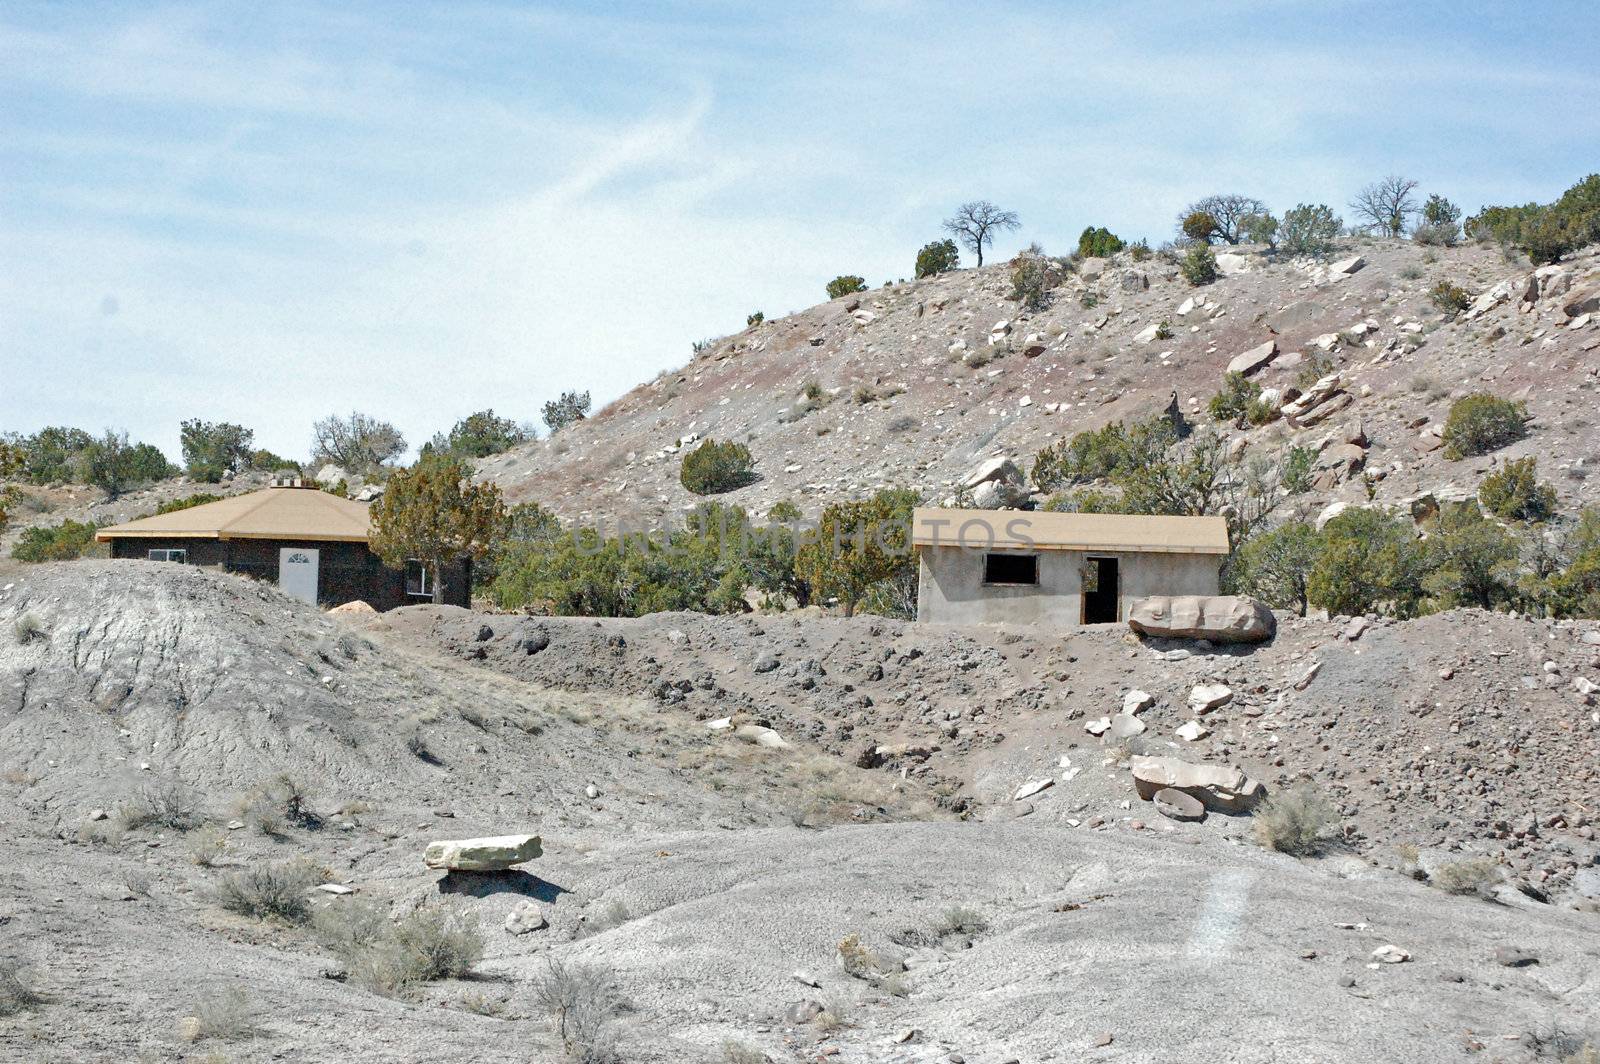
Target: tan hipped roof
1040, 530
272, 513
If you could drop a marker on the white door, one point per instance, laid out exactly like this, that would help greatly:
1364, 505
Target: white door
297, 573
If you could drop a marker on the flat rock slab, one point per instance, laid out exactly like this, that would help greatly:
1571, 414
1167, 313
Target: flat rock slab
1176, 805
492, 854
1219, 618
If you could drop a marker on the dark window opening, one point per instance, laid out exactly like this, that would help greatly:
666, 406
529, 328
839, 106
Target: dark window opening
1101, 604
179, 556
1010, 568
419, 579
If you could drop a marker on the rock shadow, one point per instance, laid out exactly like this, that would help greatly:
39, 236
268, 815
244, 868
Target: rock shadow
509, 881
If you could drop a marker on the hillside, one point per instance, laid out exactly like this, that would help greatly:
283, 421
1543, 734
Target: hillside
1052, 373
711, 879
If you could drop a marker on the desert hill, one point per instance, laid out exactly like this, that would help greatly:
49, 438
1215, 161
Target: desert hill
727, 802
915, 382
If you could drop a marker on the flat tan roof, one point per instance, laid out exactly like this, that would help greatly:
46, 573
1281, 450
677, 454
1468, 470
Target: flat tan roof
272, 513
1042, 530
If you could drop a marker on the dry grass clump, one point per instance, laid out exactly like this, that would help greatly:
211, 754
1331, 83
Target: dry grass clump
207, 846
1475, 875
27, 628
226, 1015
742, 1053
166, 803
584, 1006
393, 957
1296, 821
277, 889
276, 805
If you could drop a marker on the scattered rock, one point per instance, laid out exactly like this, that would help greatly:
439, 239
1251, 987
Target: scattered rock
1218, 787
1192, 732
1178, 805
1390, 954
1206, 697
527, 916
1031, 788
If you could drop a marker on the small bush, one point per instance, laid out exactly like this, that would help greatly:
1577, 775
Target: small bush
226, 1015
845, 284
27, 628
54, 543
1089, 300
1482, 422
903, 423
584, 1008
1199, 225
166, 803
1515, 494
394, 957
16, 994
1475, 875
1164, 329
1140, 251
940, 256
1032, 278
1099, 243
742, 1053
713, 468
1309, 229
277, 805
960, 920
754, 319
277, 889
1450, 299
1295, 821
1240, 402
207, 846
1297, 464
1199, 265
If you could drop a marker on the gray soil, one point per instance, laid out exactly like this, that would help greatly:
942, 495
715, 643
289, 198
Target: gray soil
700, 871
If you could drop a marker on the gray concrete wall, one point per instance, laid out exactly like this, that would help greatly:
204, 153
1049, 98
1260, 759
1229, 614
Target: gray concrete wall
950, 587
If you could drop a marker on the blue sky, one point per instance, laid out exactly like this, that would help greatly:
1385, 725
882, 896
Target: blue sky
265, 213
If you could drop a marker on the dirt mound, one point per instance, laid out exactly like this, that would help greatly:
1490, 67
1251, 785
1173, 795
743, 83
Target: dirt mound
1464, 731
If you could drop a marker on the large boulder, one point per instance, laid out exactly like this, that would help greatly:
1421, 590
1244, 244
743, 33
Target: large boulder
997, 468
494, 854
1250, 361
1219, 618
1218, 787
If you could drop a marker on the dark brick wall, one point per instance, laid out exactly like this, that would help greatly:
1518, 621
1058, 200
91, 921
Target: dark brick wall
345, 571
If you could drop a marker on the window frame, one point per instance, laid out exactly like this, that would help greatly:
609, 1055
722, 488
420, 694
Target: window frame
167, 555
1032, 556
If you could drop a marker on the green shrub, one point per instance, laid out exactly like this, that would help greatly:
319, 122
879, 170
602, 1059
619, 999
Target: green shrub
1546, 233
1368, 559
214, 450
569, 409
1450, 299
1032, 278
1084, 501
1467, 560
1297, 465
754, 319
1140, 250
1199, 265
1275, 566
844, 285
55, 543
1099, 243
1482, 422
199, 498
1296, 821
1259, 228
1515, 494
1239, 401
479, 435
713, 468
1100, 454
1309, 229
859, 545
937, 257
278, 890
1199, 226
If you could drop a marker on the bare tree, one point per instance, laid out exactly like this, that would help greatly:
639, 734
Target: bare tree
1229, 212
359, 443
1386, 206
976, 223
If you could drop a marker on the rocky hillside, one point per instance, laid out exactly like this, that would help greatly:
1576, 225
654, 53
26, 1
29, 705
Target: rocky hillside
919, 381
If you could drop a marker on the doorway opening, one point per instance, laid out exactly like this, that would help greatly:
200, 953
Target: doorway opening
1100, 600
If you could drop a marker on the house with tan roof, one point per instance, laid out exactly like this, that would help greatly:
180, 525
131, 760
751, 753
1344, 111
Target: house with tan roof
1037, 567
312, 544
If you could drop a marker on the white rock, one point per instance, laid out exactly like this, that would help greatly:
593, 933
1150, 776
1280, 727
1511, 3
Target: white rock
527, 916
336, 889
490, 854
1098, 726
1031, 788
1193, 731
1345, 267
1136, 701
1206, 697
1390, 954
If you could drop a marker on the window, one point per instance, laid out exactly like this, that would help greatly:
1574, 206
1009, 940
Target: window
1021, 569
419, 580
179, 556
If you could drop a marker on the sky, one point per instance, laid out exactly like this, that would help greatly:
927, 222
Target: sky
269, 213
